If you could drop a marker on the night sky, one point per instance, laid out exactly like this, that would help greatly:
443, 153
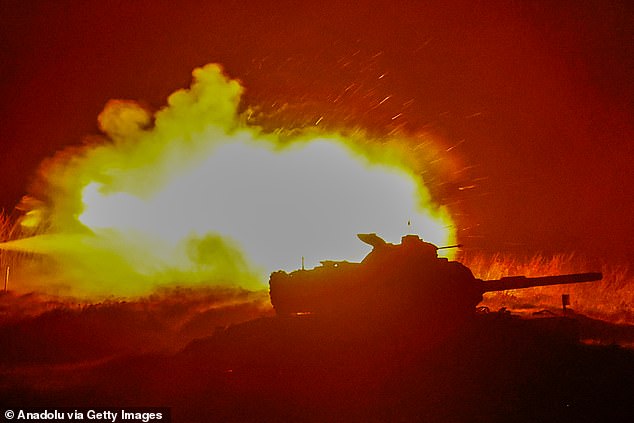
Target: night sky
536, 98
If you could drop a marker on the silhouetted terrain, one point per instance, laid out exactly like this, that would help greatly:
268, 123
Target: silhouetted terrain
495, 368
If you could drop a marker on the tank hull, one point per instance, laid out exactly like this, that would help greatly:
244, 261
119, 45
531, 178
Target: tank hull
407, 281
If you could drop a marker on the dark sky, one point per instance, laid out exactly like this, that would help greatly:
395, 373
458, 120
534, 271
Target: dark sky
537, 96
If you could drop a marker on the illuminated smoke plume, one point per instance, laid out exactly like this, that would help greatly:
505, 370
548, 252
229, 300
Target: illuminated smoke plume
194, 195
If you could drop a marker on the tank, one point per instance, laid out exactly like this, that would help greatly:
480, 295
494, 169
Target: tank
407, 281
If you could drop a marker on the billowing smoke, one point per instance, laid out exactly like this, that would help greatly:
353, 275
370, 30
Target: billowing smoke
194, 195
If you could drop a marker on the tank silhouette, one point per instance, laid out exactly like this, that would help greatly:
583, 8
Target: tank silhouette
407, 281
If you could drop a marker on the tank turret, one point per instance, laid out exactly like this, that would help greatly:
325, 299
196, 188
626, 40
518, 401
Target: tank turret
406, 280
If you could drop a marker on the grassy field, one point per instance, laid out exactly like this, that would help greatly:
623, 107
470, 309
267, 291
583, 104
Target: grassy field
8, 259
610, 299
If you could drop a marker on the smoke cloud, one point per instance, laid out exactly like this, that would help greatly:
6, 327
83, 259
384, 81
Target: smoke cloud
193, 195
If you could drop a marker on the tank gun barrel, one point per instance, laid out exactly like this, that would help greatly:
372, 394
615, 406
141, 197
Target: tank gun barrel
520, 282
